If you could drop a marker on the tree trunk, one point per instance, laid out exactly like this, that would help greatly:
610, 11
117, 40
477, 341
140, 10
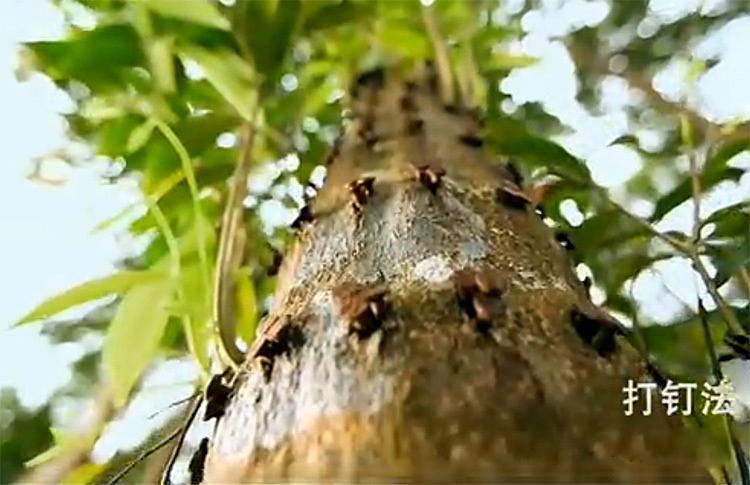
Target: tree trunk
428, 326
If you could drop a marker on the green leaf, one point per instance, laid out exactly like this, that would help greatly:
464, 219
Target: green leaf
684, 190
680, 348
84, 474
166, 184
133, 336
162, 63
197, 308
140, 136
62, 442
232, 77
510, 137
247, 306
267, 27
85, 292
398, 37
504, 61
201, 12
728, 258
606, 229
715, 171
731, 221
96, 57
338, 14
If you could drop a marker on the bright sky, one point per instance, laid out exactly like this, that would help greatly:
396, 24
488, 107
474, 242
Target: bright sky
47, 243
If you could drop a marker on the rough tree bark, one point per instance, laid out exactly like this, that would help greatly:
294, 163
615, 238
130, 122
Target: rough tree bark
428, 326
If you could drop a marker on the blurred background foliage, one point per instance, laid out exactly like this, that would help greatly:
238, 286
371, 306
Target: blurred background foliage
163, 88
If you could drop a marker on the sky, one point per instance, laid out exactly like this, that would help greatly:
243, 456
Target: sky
46, 244
48, 241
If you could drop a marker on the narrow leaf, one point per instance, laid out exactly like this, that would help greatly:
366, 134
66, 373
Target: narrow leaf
232, 77
684, 190
201, 12
510, 137
504, 61
133, 336
715, 171
196, 308
85, 292
140, 135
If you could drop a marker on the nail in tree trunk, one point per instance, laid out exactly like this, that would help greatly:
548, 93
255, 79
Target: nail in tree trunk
428, 326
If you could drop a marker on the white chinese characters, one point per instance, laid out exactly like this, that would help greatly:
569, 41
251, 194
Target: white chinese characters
677, 397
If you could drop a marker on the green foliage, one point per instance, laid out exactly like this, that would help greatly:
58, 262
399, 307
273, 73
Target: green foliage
512, 138
201, 12
92, 290
79, 57
23, 434
228, 73
134, 334
715, 171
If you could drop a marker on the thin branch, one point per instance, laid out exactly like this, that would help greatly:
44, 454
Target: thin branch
744, 281
727, 313
708, 338
180, 433
230, 253
445, 74
175, 270
192, 182
674, 243
145, 454
691, 252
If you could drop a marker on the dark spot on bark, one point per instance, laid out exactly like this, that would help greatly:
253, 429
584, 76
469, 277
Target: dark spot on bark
361, 307
265, 365
515, 175
452, 109
374, 78
479, 296
288, 338
432, 76
304, 218
414, 127
217, 396
335, 151
367, 134
564, 241
512, 198
471, 141
361, 190
596, 333
407, 103
371, 140
198, 462
276, 260
410, 86
279, 337
430, 176
471, 112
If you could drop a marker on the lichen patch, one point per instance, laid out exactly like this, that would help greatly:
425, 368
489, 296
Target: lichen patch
435, 269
